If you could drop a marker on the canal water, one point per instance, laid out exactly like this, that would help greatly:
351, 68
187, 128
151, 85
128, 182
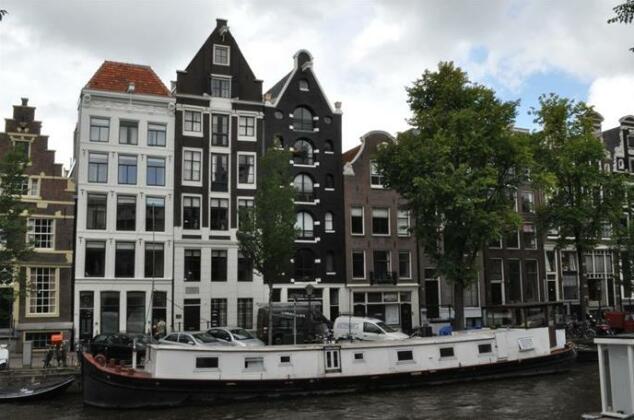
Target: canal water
560, 397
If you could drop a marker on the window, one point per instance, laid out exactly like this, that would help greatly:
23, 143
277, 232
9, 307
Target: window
530, 283
98, 167
95, 259
330, 262
285, 360
404, 355
512, 239
109, 312
404, 266
191, 165
156, 171
380, 221
192, 121
245, 268
529, 238
246, 169
218, 312
304, 191
191, 212
358, 264
221, 55
245, 205
356, 220
124, 259
527, 202
334, 302
304, 265
514, 280
219, 172
382, 266
43, 293
128, 132
220, 87
246, 126
219, 214
154, 259
159, 307
376, 178
156, 134
219, 130
126, 212
23, 148
278, 141
96, 211
135, 312
327, 120
496, 243
41, 233
484, 348
154, 214
446, 352
402, 223
303, 152
192, 265
127, 169
41, 340
206, 363
329, 224
495, 277
218, 265
330, 182
304, 225
303, 85
303, 119
245, 313
24, 186
358, 356
99, 129
328, 147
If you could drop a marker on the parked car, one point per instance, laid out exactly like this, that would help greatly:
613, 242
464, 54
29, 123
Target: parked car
119, 346
359, 328
300, 322
200, 338
235, 336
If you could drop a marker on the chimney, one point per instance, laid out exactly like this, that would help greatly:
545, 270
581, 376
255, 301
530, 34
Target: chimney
25, 101
597, 119
221, 22
130, 87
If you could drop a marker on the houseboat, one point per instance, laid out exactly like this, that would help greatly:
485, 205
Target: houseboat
175, 375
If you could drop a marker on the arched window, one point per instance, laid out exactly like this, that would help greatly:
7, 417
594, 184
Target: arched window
303, 184
330, 262
304, 265
302, 119
330, 181
328, 147
304, 225
303, 85
329, 222
303, 152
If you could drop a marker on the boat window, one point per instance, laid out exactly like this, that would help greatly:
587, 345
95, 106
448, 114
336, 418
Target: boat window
358, 356
204, 338
386, 327
285, 359
254, 363
368, 327
206, 362
446, 352
241, 334
484, 348
404, 355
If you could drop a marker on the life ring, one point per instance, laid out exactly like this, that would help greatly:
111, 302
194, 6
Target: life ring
100, 359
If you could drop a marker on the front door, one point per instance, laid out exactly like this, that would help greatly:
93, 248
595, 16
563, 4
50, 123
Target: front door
86, 314
191, 313
431, 299
332, 359
6, 307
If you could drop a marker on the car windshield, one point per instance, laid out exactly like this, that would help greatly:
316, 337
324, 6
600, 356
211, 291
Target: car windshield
204, 337
386, 327
241, 334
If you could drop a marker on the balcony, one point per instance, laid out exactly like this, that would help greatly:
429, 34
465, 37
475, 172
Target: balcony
383, 277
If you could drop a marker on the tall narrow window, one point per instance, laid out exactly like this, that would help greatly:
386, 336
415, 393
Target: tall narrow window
303, 119
304, 265
99, 129
98, 167
156, 171
376, 178
527, 202
41, 232
155, 214
96, 211
135, 312
192, 121
110, 312
128, 132
218, 265
127, 169
330, 262
329, 225
531, 293
380, 221
529, 238
219, 172
159, 307
245, 313
126, 212
514, 280
192, 265
219, 130
218, 312
245, 268
191, 165
382, 266
358, 264
220, 87
304, 225
356, 220
402, 223
303, 85
156, 134
43, 294
404, 265
124, 259
304, 191
221, 55
303, 152
246, 169
191, 212
154, 259
95, 259
245, 206
495, 278
329, 182
219, 214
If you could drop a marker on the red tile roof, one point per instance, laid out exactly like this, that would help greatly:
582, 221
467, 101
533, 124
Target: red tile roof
350, 154
116, 77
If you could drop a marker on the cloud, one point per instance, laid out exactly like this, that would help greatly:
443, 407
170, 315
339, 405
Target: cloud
612, 97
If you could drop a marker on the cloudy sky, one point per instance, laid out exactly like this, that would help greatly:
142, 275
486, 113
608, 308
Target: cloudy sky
365, 52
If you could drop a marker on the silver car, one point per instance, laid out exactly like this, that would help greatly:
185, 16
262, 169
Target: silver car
192, 338
235, 336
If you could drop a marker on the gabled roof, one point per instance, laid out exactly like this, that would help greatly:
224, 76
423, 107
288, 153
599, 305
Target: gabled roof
611, 138
113, 76
276, 89
350, 154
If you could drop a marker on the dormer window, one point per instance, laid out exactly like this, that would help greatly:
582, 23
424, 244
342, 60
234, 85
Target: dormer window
303, 85
221, 55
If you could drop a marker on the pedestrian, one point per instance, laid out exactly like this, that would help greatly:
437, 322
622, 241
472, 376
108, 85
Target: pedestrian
161, 328
63, 353
58, 354
49, 356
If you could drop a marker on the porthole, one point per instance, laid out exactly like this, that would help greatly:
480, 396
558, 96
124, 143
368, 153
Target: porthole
279, 115
327, 120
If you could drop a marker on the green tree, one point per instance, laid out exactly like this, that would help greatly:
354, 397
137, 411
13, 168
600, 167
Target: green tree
267, 232
582, 198
457, 169
14, 249
624, 13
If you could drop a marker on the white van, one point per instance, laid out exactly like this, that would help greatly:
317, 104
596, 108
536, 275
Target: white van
360, 328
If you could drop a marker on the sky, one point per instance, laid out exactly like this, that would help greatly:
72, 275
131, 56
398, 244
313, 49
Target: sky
365, 52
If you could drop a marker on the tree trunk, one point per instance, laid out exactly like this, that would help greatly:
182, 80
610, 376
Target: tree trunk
270, 329
583, 284
458, 300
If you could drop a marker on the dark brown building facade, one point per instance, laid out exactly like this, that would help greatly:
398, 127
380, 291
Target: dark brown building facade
43, 305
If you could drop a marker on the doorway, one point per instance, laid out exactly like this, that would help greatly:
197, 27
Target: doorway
191, 313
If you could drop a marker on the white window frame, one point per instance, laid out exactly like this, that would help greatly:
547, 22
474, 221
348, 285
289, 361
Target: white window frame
332, 222
30, 232
242, 197
90, 125
154, 125
501, 281
245, 137
389, 217
198, 183
362, 221
200, 215
219, 46
362, 251
220, 76
409, 223
55, 312
211, 198
409, 253
372, 172
255, 171
193, 133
